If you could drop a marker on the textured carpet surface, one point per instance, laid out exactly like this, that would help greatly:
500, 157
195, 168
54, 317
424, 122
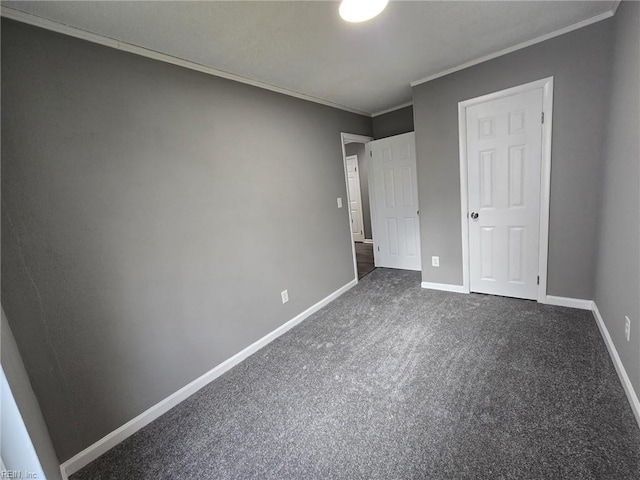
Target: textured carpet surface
391, 381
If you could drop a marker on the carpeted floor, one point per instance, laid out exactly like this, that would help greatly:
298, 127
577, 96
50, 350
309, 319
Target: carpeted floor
391, 381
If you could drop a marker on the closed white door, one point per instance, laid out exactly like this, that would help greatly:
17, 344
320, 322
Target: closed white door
355, 199
393, 189
504, 152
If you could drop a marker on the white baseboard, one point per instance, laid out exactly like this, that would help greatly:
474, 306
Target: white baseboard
444, 287
617, 362
569, 302
368, 240
92, 452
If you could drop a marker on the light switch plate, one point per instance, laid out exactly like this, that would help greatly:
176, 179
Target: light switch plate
339, 202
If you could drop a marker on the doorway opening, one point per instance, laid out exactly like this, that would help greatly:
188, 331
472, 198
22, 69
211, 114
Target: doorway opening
354, 153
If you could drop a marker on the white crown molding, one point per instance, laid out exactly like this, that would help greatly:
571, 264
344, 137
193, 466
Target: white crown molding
392, 109
615, 6
54, 26
47, 24
520, 46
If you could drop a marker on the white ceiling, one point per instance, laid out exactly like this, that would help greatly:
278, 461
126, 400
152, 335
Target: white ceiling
304, 47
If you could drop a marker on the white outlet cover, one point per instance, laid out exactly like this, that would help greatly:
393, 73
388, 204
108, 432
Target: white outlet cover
339, 202
435, 261
285, 296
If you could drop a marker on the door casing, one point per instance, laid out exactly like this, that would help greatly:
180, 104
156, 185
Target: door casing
545, 176
346, 138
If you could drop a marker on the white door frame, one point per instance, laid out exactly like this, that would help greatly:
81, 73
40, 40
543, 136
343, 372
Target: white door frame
351, 137
359, 193
545, 176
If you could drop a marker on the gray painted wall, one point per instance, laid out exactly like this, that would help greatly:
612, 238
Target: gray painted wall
28, 406
151, 215
579, 63
359, 150
393, 123
617, 289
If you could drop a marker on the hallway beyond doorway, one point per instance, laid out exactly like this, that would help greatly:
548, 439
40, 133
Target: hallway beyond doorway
364, 259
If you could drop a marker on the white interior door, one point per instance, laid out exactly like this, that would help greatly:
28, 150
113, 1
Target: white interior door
504, 153
355, 198
393, 189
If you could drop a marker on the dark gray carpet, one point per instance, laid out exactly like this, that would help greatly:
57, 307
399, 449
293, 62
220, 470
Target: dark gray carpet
391, 381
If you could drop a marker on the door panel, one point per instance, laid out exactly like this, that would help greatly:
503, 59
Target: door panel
411, 230
504, 153
392, 235
516, 176
486, 179
394, 193
389, 189
487, 248
515, 254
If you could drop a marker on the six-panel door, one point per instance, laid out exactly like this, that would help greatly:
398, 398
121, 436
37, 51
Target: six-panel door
504, 148
395, 193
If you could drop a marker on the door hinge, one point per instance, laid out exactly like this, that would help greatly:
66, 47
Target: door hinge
538, 279
542, 117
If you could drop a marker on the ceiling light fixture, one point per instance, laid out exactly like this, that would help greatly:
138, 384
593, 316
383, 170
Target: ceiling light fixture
356, 11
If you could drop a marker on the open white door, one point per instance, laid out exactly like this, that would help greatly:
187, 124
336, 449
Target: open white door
393, 189
355, 198
504, 152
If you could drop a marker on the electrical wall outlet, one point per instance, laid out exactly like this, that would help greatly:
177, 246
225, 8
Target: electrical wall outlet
285, 296
627, 328
435, 261
339, 199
